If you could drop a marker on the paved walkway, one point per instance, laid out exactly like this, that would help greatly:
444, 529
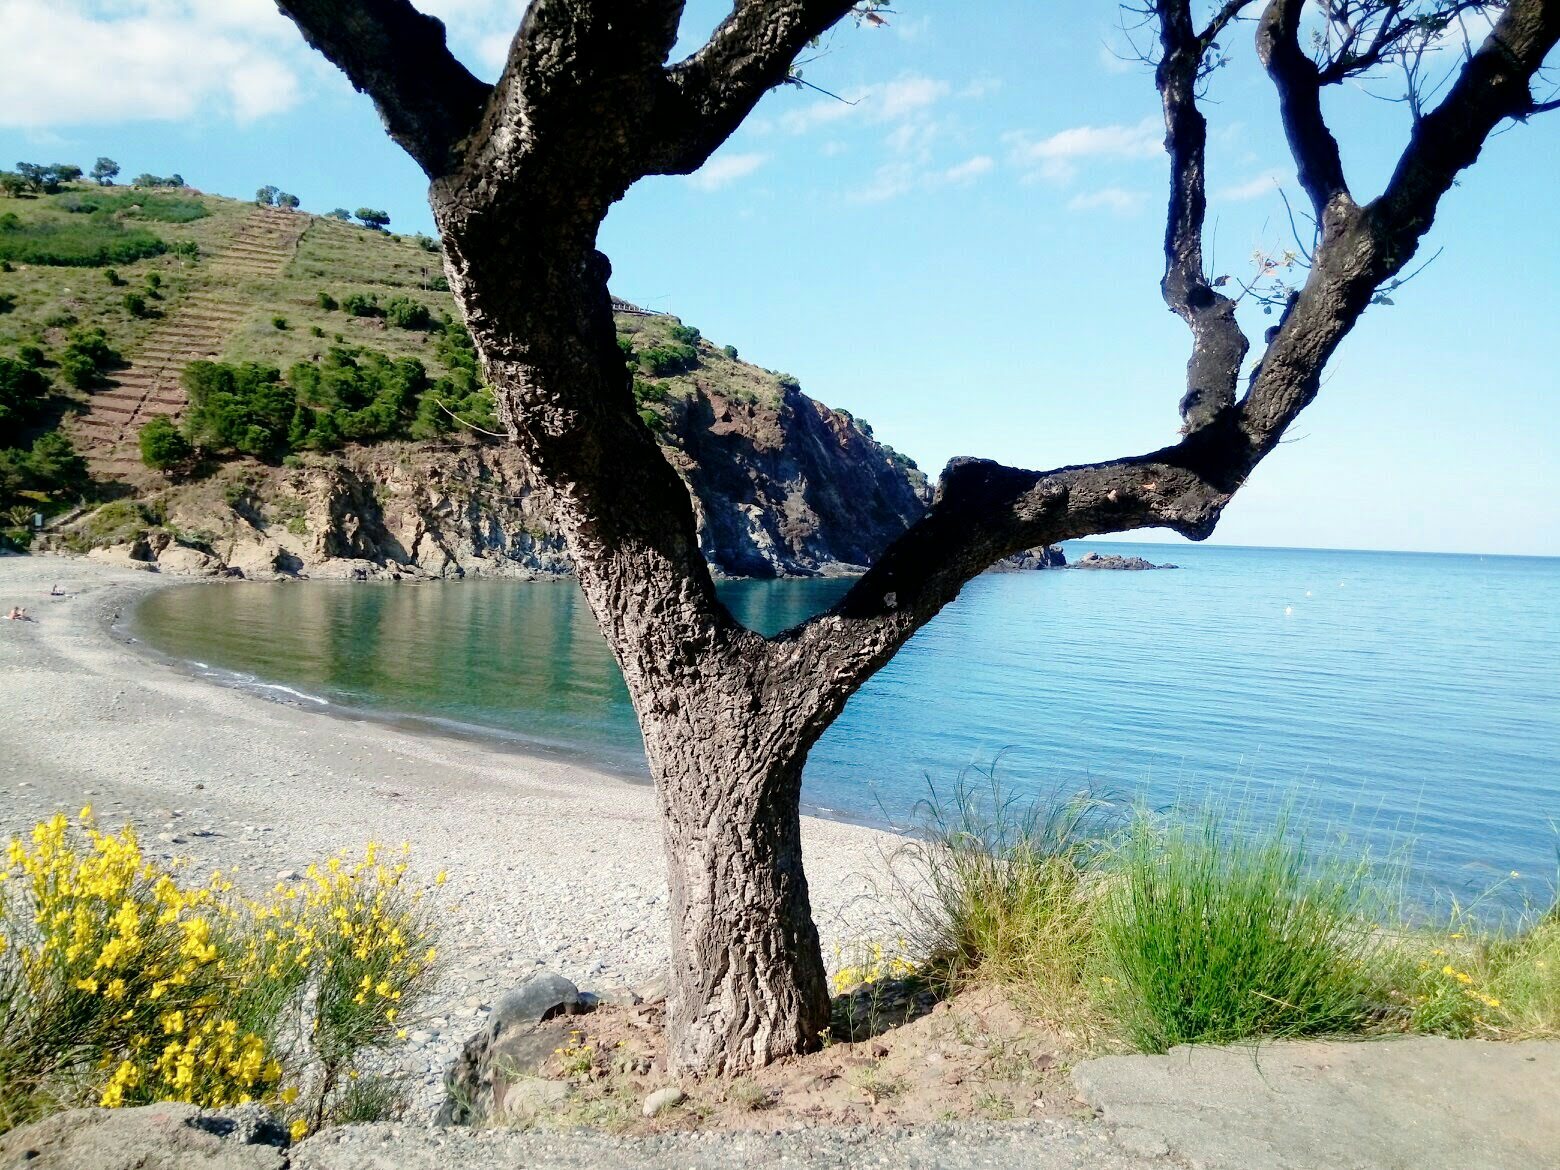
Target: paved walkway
1418, 1104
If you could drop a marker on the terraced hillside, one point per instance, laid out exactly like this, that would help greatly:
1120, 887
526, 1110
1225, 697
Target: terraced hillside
328, 435
199, 327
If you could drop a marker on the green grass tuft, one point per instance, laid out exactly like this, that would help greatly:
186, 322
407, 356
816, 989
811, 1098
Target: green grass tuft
1215, 932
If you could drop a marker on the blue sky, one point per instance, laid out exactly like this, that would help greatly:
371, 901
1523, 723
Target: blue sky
967, 257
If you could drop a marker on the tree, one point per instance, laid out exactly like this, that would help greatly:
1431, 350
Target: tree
105, 170
163, 447
378, 220
522, 173
289, 201
266, 196
340, 213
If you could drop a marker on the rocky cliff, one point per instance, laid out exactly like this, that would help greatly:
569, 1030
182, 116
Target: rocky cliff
782, 486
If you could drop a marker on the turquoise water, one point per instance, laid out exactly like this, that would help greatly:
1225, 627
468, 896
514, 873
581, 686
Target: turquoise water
1398, 694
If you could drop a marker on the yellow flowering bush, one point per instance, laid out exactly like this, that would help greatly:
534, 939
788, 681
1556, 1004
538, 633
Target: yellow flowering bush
121, 984
869, 963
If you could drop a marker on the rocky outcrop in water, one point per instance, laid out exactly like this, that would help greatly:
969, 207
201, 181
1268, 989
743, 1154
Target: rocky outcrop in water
1096, 560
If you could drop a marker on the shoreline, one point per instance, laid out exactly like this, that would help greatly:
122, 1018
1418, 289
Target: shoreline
121, 628
551, 863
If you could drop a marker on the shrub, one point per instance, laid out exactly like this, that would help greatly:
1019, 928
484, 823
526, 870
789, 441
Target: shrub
316, 331
1219, 932
327, 302
279, 322
666, 360
7, 303
362, 305
30, 355
163, 447
405, 313
340, 213
112, 276
85, 356
244, 408
22, 392
135, 304
684, 334
98, 240
154, 280
126, 985
730, 351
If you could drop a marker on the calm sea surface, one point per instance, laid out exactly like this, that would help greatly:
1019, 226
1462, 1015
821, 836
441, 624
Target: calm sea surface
1404, 696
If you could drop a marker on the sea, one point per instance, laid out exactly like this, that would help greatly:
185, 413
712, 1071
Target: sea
1407, 704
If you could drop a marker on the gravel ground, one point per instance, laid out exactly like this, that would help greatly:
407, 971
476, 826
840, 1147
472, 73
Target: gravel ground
550, 864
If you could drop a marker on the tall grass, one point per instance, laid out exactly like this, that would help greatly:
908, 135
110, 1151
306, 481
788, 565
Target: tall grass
1001, 890
1215, 932
1198, 927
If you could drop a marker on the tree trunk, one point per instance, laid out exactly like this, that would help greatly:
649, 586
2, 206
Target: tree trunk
747, 978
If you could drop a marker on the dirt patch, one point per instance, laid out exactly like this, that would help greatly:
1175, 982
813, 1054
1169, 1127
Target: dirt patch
976, 1056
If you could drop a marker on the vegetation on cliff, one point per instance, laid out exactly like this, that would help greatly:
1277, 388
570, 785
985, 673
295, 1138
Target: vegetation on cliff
354, 345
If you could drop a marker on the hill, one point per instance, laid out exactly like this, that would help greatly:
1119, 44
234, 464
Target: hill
257, 389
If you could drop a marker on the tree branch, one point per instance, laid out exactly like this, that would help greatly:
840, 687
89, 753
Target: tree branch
1218, 345
429, 101
707, 96
1295, 76
1494, 84
985, 511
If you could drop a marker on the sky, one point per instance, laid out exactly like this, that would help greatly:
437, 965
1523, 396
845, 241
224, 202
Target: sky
967, 256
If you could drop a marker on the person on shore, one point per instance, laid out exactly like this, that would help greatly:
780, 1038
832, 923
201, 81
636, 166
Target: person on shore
56, 591
18, 614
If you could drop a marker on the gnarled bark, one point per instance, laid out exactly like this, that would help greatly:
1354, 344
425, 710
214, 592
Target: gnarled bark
522, 175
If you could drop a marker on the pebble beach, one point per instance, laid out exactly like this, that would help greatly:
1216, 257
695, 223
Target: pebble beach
549, 863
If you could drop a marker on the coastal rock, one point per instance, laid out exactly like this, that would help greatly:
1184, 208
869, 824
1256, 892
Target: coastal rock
781, 485
1046, 556
1096, 560
154, 1137
509, 1050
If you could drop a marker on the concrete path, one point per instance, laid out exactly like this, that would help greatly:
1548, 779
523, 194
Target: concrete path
1420, 1104
1412, 1104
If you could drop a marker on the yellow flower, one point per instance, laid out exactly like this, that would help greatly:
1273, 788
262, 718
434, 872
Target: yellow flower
289, 1094
299, 1128
90, 986
440, 878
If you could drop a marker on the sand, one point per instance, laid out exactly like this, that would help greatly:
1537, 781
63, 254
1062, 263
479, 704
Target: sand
550, 863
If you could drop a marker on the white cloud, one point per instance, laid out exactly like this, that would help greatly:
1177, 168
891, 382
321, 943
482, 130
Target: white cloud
1253, 188
900, 178
969, 170
1116, 199
889, 101
726, 169
1057, 156
68, 62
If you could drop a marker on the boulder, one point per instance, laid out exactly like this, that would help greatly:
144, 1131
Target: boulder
153, 1137
509, 1050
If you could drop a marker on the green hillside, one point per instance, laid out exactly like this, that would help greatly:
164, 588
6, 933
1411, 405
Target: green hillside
240, 331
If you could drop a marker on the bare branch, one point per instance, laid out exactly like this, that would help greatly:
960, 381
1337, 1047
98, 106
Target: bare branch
1494, 84
1218, 345
397, 55
1295, 76
707, 96
985, 511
